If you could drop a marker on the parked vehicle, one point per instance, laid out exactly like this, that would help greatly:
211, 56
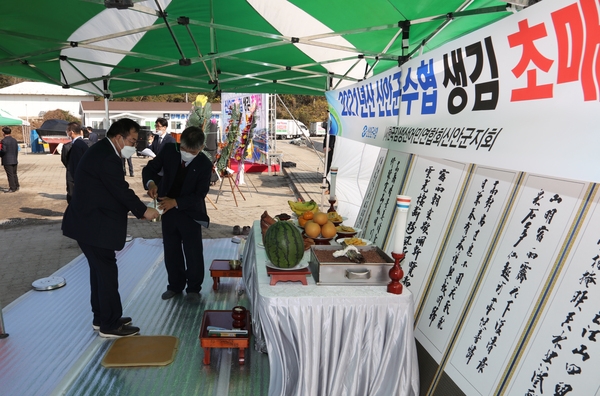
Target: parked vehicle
289, 129
318, 129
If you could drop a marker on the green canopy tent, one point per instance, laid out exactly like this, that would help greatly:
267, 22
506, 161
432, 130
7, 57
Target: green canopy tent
6, 119
265, 46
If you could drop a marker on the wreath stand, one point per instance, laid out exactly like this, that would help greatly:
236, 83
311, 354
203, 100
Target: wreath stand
232, 183
212, 203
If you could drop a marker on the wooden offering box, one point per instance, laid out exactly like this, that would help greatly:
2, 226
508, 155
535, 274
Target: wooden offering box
225, 320
328, 270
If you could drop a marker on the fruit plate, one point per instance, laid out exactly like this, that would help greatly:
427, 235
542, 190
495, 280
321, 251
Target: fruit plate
365, 241
303, 264
348, 234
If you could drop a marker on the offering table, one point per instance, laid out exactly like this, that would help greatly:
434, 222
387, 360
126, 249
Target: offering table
330, 340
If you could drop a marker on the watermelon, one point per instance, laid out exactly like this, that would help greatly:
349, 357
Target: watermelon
284, 244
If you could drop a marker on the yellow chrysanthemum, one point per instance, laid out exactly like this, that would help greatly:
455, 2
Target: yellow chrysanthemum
201, 100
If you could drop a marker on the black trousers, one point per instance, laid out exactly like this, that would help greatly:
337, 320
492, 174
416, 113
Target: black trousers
13, 179
104, 284
184, 254
130, 164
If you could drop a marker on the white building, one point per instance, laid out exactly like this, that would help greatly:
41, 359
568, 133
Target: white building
144, 113
32, 99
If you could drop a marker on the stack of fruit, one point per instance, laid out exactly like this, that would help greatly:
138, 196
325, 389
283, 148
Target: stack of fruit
318, 225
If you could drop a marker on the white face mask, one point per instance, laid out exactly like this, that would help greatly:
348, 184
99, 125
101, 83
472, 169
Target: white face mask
187, 157
127, 151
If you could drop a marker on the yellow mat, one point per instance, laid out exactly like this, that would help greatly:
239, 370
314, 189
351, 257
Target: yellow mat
140, 351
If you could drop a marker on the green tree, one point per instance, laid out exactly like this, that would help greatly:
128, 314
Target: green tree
304, 108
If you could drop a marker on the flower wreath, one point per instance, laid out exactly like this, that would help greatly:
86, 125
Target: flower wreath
200, 115
231, 148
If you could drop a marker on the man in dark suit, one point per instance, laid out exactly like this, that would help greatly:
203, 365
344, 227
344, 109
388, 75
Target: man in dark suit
71, 154
161, 137
92, 136
97, 219
181, 192
9, 154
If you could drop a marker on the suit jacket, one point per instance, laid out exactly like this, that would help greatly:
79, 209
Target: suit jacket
93, 138
64, 153
156, 147
10, 151
195, 185
78, 148
97, 213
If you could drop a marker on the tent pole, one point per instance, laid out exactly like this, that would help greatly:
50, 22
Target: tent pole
324, 180
106, 96
106, 113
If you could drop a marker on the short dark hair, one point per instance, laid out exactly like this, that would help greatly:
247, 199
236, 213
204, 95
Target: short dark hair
89, 128
162, 121
74, 127
6, 130
122, 127
193, 138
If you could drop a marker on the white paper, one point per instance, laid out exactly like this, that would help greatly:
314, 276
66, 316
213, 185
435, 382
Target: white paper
148, 153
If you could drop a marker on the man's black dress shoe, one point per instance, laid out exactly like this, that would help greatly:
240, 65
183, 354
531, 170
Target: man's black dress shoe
169, 294
125, 320
123, 331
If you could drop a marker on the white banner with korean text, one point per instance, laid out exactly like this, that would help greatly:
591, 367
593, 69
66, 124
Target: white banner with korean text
521, 94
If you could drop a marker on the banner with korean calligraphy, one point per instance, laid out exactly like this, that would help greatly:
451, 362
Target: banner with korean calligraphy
562, 355
376, 225
529, 246
369, 199
252, 107
435, 186
463, 259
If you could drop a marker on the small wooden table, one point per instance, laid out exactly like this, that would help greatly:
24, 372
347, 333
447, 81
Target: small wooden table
221, 269
298, 275
223, 319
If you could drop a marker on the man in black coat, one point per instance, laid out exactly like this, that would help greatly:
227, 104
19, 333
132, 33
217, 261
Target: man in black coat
72, 153
92, 136
161, 137
181, 192
9, 154
97, 219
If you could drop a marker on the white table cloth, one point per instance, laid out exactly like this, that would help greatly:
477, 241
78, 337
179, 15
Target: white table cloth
330, 340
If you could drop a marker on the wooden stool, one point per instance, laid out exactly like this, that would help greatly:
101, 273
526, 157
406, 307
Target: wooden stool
223, 319
221, 269
298, 275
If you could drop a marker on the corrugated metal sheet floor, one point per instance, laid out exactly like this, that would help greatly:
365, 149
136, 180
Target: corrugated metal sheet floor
52, 349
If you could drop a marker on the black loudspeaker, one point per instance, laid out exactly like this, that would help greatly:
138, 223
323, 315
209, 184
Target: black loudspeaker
142, 141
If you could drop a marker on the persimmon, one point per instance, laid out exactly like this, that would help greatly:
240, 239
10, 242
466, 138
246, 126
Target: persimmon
302, 221
308, 215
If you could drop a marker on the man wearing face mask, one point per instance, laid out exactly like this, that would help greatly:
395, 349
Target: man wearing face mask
161, 137
181, 192
97, 219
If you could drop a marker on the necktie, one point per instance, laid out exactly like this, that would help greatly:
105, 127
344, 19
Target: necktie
183, 164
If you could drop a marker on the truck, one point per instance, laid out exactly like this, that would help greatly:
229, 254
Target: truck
318, 128
289, 129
